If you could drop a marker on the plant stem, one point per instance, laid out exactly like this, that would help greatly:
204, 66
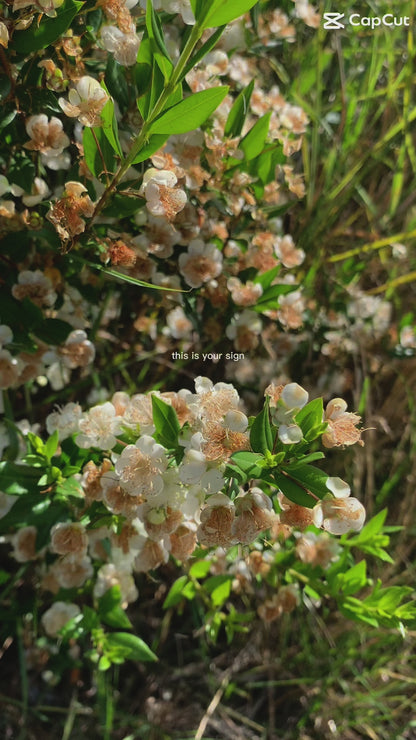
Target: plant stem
141, 138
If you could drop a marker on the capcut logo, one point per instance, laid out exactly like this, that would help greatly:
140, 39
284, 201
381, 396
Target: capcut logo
334, 21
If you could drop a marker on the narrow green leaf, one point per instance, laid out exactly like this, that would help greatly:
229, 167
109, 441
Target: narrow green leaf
154, 143
270, 298
190, 113
51, 445
219, 12
174, 596
311, 416
203, 50
135, 647
253, 143
238, 112
146, 101
261, 435
111, 611
311, 478
293, 491
126, 278
115, 80
110, 126
166, 422
98, 152
157, 42
266, 278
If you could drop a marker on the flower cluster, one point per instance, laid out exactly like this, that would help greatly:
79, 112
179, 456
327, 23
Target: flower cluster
171, 472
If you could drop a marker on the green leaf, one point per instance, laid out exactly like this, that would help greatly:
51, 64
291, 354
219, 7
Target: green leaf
190, 113
157, 42
311, 478
110, 126
310, 419
98, 152
270, 298
253, 143
372, 528
175, 596
221, 593
17, 479
135, 647
166, 422
248, 463
5, 87
304, 461
203, 50
126, 278
210, 13
353, 580
261, 435
264, 166
40, 35
266, 278
7, 116
70, 487
52, 331
115, 81
51, 445
22, 171
238, 112
200, 569
110, 609
293, 491
153, 85
154, 143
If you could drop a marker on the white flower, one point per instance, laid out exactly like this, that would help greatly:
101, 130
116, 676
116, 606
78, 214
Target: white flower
65, 420
39, 192
99, 427
193, 467
162, 197
6, 334
140, 467
4, 185
201, 263
4, 35
6, 503
46, 136
178, 325
341, 513
77, 351
35, 285
338, 487
57, 616
9, 369
294, 396
85, 101
290, 434
235, 421
110, 575
124, 46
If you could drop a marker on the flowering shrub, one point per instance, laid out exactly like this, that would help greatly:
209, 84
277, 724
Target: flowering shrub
150, 167
122, 487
